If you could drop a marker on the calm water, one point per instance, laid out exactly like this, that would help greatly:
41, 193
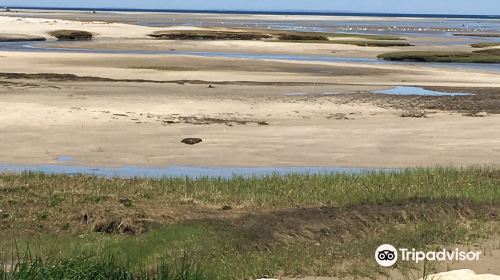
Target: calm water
43, 47
404, 23
418, 91
184, 171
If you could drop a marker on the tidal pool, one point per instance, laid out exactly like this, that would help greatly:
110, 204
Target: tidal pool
402, 90
295, 94
64, 159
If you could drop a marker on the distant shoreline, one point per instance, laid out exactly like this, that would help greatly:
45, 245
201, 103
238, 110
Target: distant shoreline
244, 12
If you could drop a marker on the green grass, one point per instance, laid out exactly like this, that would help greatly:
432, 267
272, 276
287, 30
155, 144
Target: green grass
95, 268
475, 184
485, 45
482, 56
220, 252
291, 225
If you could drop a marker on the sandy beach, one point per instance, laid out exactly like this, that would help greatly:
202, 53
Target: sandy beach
93, 91
313, 115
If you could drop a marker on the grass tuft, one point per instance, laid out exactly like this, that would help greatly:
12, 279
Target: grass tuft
72, 35
482, 56
95, 268
485, 45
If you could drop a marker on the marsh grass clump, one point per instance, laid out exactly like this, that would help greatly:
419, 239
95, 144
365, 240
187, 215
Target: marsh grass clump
209, 35
495, 52
72, 35
302, 37
260, 34
481, 56
485, 45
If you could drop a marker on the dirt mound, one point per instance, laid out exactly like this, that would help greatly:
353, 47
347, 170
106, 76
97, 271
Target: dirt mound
344, 223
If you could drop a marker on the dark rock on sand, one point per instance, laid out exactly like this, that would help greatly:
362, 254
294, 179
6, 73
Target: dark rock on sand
191, 141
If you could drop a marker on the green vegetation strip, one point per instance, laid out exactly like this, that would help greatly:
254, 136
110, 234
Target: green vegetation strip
475, 184
217, 252
481, 56
260, 34
485, 45
326, 225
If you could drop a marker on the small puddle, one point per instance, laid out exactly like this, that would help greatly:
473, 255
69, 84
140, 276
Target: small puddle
64, 159
401, 90
184, 171
295, 94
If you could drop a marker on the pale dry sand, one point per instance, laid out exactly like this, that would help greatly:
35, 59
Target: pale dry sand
96, 123
42, 26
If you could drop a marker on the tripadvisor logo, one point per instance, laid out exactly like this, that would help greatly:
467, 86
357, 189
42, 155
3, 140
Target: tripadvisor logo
387, 255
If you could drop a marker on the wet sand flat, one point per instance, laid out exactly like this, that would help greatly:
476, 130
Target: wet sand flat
142, 124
